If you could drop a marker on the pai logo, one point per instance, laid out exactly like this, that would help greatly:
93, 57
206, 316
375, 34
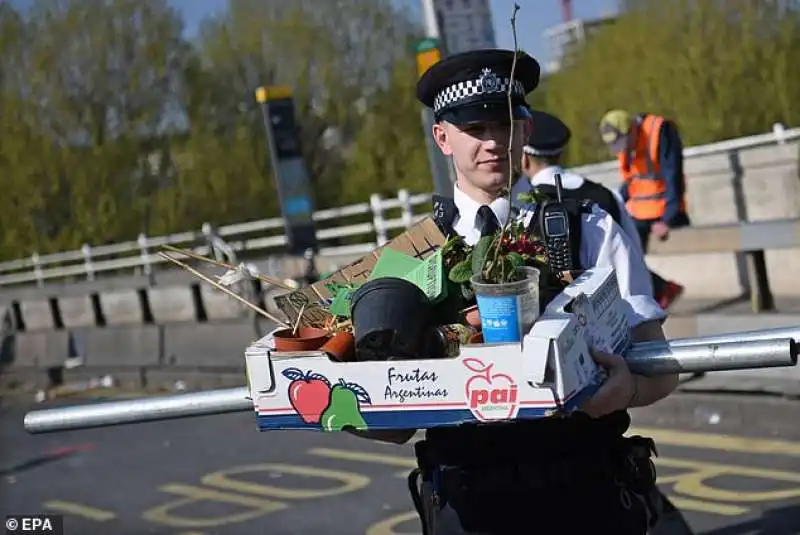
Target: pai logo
490, 396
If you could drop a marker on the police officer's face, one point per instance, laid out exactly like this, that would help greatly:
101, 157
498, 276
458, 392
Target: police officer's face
480, 151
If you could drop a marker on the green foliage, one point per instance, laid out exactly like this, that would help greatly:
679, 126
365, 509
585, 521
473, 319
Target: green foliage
719, 69
461, 272
480, 253
495, 258
114, 123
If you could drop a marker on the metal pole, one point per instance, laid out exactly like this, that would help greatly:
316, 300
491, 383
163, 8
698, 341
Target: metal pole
661, 358
441, 166
645, 358
270, 142
430, 19
442, 169
761, 334
140, 410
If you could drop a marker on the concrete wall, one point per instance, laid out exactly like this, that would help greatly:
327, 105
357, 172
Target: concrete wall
189, 346
754, 184
171, 320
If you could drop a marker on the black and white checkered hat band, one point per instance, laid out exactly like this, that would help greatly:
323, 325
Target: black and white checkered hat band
469, 88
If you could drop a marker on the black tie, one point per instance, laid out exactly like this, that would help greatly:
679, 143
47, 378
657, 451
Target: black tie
487, 221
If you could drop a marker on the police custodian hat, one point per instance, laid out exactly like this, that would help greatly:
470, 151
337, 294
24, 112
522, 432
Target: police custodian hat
549, 135
473, 86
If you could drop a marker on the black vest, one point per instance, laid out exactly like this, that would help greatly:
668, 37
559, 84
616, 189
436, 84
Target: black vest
480, 443
597, 193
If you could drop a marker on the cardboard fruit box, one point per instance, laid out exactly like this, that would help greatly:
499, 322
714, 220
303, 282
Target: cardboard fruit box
550, 372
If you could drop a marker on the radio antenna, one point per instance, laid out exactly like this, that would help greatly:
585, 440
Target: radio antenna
558, 186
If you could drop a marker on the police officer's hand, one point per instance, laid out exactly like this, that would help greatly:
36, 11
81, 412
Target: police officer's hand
618, 389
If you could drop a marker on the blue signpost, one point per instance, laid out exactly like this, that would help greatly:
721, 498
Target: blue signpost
291, 177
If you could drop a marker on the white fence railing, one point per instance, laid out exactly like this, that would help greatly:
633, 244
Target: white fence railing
140, 255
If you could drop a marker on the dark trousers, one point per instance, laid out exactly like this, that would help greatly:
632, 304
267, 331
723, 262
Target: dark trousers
579, 509
644, 226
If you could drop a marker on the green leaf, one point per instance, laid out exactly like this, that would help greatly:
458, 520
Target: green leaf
467, 292
527, 197
461, 272
509, 272
534, 196
451, 243
479, 253
516, 260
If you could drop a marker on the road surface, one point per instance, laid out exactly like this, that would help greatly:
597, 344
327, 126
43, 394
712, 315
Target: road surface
731, 464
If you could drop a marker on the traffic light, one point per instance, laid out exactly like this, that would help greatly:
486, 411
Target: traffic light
289, 169
428, 54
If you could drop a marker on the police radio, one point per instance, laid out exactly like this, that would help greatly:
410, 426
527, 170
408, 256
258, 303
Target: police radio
554, 223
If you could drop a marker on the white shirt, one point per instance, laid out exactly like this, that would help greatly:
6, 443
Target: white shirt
574, 181
603, 244
466, 223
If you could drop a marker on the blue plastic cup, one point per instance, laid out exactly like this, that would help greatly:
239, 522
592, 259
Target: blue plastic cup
508, 310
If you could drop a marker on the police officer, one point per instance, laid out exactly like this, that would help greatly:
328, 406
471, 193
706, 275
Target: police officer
572, 474
540, 163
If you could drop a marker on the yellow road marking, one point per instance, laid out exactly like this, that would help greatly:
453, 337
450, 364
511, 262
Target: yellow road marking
386, 527
72, 508
693, 439
165, 514
687, 504
347, 481
694, 482
362, 456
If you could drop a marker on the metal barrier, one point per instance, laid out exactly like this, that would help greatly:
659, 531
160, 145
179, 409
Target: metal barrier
749, 239
230, 240
140, 255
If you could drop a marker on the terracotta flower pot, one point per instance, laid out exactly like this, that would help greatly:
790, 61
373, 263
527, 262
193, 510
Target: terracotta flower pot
476, 338
305, 339
473, 317
341, 346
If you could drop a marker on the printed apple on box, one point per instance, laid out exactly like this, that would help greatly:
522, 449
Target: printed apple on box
550, 372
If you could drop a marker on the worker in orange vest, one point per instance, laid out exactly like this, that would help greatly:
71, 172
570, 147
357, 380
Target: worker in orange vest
650, 155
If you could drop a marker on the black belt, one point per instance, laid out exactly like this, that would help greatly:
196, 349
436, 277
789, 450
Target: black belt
628, 459
519, 477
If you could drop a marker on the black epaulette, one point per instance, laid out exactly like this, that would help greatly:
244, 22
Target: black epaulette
591, 192
445, 213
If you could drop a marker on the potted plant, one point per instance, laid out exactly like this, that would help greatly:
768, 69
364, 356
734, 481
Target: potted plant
502, 271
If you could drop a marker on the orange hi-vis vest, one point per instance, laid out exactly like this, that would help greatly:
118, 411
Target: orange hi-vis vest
641, 171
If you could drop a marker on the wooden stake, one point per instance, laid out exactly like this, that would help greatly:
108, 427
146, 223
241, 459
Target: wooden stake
191, 254
299, 317
223, 289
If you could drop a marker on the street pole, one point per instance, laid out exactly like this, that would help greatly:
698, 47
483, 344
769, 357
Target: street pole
441, 166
